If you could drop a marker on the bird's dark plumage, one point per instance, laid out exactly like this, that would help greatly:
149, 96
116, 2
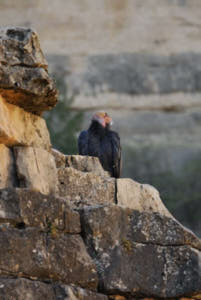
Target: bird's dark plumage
101, 142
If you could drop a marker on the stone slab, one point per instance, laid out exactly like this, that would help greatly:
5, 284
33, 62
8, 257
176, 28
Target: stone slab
28, 208
36, 169
85, 188
19, 127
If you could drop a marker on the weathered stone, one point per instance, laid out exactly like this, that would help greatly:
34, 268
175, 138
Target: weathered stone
142, 197
118, 297
25, 289
127, 245
21, 289
79, 162
19, 127
86, 164
85, 188
140, 227
60, 158
7, 171
30, 208
24, 80
33, 254
75, 293
36, 169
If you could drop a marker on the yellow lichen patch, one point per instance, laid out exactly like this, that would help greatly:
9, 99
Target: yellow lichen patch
126, 244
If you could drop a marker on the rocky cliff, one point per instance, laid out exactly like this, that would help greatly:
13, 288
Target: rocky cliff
140, 61
67, 229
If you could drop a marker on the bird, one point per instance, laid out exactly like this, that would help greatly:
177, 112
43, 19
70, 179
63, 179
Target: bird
102, 142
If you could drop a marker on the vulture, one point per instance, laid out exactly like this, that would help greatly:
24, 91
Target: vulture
100, 141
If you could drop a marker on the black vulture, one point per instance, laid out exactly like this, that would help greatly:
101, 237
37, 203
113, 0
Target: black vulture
100, 141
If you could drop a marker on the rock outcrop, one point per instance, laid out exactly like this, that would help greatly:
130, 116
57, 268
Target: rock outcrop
69, 231
141, 63
24, 80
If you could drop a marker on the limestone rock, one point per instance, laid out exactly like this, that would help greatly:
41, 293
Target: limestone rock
36, 169
142, 197
79, 162
75, 293
25, 289
25, 207
33, 254
21, 289
142, 253
7, 172
18, 127
60, 158
24, 80
86, 164
85, 188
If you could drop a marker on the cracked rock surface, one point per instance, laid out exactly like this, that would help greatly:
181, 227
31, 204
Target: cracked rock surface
141, 253
24, 80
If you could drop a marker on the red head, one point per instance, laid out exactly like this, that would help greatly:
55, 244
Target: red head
102, 118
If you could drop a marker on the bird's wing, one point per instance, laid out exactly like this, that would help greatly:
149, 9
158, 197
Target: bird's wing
83, 143
116, 154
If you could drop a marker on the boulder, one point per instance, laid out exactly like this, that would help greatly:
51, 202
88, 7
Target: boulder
36, 169
33, 254
140, 253
142, 197
21, 289
86, 164
25, 207
24, 80
85, 188
80, 163
68, 292
7, 171
19, 127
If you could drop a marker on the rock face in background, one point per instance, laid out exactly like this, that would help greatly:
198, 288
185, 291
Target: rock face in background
69, 231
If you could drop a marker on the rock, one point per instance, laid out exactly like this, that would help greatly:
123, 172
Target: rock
85, 188
118, 297
33, 254
7, 171
125, 74
21, 289
36, 169
142, 197
22, 128
24, 80
25, 207
79, 162
75, 293
127, 245
86, 164
60, 158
